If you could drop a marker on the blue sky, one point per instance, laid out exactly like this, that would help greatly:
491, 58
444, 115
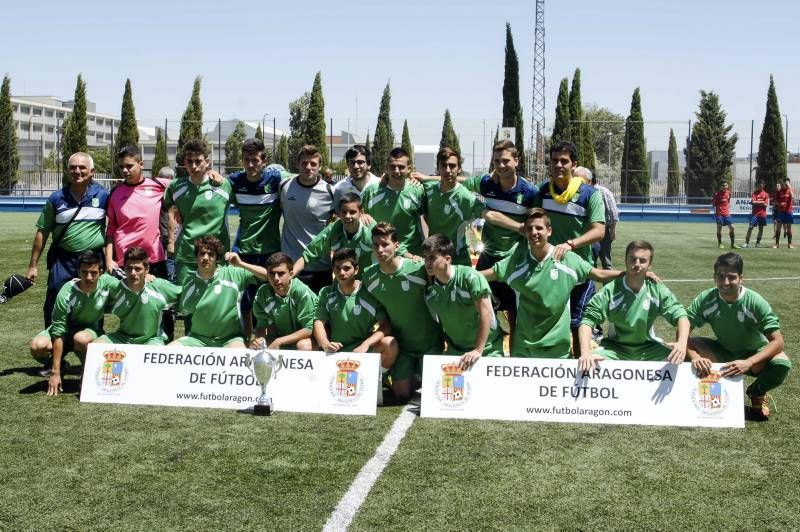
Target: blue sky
438, 54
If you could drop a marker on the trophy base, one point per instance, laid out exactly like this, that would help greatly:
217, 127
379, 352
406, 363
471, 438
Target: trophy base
262, 410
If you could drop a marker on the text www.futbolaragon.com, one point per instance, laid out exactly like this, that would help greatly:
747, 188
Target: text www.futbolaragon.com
216, 397
566, 411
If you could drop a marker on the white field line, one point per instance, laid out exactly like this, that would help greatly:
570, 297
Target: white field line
746, 279
349, 504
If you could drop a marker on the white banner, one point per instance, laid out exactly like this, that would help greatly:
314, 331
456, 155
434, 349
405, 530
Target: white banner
739, 206
619, 393
338, 383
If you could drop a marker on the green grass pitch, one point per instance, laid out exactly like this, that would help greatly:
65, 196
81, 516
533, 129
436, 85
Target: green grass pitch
68, 465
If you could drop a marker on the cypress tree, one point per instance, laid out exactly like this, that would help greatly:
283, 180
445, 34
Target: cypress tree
449, 137
9, 160
496, 140
160, 159
314, 125
405, 143
233, 148
298, 110
384, 137
771, 146
367, 143
128, 132
512, 110
709, 152
260, 133
673, 167
562, 129
586, 149
191, 125
282, 152
576, 115
75, 128
635, 177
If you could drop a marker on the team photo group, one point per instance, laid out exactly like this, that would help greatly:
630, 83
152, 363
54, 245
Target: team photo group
401, 264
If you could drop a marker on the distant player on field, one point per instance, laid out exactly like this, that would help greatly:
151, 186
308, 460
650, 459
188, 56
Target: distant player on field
631, 304
722, 214
784, 213
758, 217
748, 334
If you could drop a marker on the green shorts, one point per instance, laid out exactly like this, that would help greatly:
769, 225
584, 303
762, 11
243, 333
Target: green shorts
543, 352
205, 341
649, 352
117, 337
722, 354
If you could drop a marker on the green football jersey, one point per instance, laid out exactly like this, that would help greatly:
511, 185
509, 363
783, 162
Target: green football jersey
334, 237
631, 314
741, 327
259, 213
450, 213
350, 318
139, 313
214, 303
285, 315
202, 209
402, 294
572, 219
401, 208
453, 304
75, 310
543, 290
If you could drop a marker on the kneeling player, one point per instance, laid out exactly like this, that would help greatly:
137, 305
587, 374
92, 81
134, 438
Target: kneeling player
212, 296
459, 297
631, 304
77, 318
748, 335
139, 305
283, 309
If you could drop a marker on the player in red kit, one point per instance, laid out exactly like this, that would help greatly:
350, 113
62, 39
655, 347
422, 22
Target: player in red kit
722, 214
759, 199
784, 213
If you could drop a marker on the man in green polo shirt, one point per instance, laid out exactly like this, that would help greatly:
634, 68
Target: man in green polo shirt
459, 297
77, 317
211, 296
748, 334
283, 309
139, 305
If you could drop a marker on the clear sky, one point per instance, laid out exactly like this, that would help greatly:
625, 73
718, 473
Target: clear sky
437, 53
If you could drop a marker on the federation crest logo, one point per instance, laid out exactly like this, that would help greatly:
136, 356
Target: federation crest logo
406, 203
519, 198
710, 396
452, 388
112, 374
347, 386
554, 274
447, 209
267, 188
405, 285
95, 202
357, 310
208, 195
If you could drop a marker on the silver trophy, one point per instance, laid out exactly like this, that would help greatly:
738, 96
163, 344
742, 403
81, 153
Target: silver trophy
264, 366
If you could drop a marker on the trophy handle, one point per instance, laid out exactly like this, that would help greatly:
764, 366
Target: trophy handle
278, 366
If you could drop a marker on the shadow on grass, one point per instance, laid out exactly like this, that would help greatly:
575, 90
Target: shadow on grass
69, 386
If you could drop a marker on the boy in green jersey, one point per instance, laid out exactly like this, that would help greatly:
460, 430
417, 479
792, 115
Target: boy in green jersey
283, 309
212, 295
631, 305
459, 297
399, 285
349, 231
347, 314
543, 286
138, 304
77, 317
201, 205
398, 202
748, 334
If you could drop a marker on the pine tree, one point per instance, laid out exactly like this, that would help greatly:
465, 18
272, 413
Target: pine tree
586, 149
562, 129
128, 132
75, 128
282, 152
315, 120
160, 159
449, 137
259, 133
576, 115
384, 137
771, 146
233, 148
512, 110
709, 151
191, 125
405, 143
9, 160
298, 110
635, 177
673, 167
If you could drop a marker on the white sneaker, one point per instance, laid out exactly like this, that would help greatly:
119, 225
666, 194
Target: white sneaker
745, 245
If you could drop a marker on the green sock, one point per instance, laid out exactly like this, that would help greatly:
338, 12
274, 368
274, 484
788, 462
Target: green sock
770, 377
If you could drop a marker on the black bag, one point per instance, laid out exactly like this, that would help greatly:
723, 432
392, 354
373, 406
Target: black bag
13, 286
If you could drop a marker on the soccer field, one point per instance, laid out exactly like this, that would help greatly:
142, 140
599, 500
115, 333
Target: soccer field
89, 466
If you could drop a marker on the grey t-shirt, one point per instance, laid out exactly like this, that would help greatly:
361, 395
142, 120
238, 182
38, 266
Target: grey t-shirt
346, 185
306, 210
